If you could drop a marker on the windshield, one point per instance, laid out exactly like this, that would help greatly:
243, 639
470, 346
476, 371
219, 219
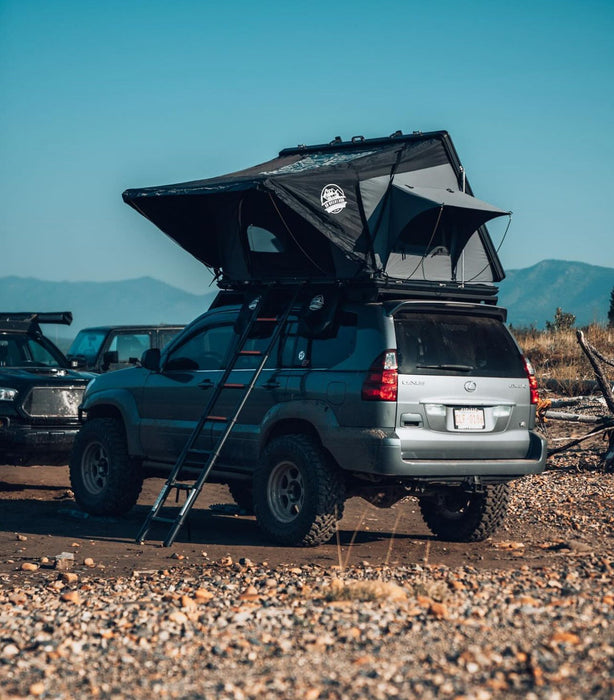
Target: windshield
21, 350
87, 344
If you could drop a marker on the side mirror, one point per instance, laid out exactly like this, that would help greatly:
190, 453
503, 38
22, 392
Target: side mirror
151, 359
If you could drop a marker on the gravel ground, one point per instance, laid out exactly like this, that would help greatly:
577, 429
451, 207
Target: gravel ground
243, 629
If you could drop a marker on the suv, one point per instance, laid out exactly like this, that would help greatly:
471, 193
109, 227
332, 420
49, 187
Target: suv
40, 392
381, 397
105, 348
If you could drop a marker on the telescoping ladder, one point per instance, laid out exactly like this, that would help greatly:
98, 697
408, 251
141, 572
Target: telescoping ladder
190, 456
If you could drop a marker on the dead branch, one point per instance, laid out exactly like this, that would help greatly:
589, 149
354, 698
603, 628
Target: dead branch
603, 358
602, 380
605, 424
577, 441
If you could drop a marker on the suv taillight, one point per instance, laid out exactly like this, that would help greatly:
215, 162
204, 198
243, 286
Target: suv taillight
382, 379
532, 381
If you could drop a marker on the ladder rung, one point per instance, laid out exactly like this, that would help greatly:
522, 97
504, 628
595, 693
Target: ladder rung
249, 352
265, 319
218, 419
198, 453
234, 386
162, 519
178, 485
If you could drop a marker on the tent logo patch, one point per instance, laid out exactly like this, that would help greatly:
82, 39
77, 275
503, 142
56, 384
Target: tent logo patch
333, 199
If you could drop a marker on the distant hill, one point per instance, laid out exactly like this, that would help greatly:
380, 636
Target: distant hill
143, 300
533, 294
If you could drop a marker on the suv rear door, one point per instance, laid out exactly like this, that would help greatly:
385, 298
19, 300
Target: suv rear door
463, 391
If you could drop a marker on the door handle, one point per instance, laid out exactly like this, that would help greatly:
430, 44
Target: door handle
271, 385
206, 384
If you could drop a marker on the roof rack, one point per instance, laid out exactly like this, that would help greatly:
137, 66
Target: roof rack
376, 289
63, 317
338, 144
28, 321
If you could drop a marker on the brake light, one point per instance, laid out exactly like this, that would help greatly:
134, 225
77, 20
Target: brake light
382, 379
532, 380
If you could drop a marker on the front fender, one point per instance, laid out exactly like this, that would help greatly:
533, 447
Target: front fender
114, 402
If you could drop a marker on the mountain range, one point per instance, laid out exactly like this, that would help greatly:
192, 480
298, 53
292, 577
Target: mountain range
531, 296
138, 301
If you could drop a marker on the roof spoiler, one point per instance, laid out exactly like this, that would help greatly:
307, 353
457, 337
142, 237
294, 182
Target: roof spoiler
62, 317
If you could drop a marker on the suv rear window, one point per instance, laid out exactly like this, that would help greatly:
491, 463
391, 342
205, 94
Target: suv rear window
460, 344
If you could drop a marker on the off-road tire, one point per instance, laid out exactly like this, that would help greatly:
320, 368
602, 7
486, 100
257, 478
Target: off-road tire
457, 516
298, 492
243, 495
103, 477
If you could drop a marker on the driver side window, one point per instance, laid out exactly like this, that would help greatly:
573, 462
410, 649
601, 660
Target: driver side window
205, 350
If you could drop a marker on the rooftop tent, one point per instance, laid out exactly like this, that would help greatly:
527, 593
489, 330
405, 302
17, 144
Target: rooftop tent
393, 208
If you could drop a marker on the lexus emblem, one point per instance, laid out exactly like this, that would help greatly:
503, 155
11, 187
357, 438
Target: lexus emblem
470, 386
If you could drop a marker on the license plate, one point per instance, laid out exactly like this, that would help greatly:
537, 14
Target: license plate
469, 418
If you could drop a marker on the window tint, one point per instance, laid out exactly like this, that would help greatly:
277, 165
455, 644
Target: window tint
258, 342
88, 344
41, 355
165, 336
206, 350
328, 352
456, 344
129, 345
20, 350
299, 351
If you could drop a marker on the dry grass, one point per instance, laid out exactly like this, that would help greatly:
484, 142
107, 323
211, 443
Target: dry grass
364, 591
341, 589
556, 355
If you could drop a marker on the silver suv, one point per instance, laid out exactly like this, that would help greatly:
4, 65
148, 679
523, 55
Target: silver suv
382, 397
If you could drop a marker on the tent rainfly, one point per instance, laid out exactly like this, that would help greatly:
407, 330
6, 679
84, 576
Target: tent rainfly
395, 209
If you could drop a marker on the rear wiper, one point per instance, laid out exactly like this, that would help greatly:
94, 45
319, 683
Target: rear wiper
458, 368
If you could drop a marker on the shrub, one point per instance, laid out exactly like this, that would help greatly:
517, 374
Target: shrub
563, 321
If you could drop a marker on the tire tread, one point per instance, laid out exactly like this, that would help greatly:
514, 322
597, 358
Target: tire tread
329, 498
125, 480
485, 514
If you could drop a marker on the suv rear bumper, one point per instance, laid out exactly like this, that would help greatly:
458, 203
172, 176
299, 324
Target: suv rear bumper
381, 455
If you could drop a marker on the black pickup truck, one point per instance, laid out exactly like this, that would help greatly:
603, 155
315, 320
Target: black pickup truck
40, 391
105, 348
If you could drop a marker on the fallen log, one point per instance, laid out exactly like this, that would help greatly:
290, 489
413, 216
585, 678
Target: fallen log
573, 417
573, 400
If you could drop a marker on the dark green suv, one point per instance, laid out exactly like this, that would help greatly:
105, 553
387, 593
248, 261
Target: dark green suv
376, 395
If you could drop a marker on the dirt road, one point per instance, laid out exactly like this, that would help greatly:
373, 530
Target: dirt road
40, 519
528, 613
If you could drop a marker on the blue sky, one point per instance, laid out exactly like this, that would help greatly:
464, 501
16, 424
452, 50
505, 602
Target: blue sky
100, 97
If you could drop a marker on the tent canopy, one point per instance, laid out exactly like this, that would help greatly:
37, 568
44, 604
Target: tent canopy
394, 208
